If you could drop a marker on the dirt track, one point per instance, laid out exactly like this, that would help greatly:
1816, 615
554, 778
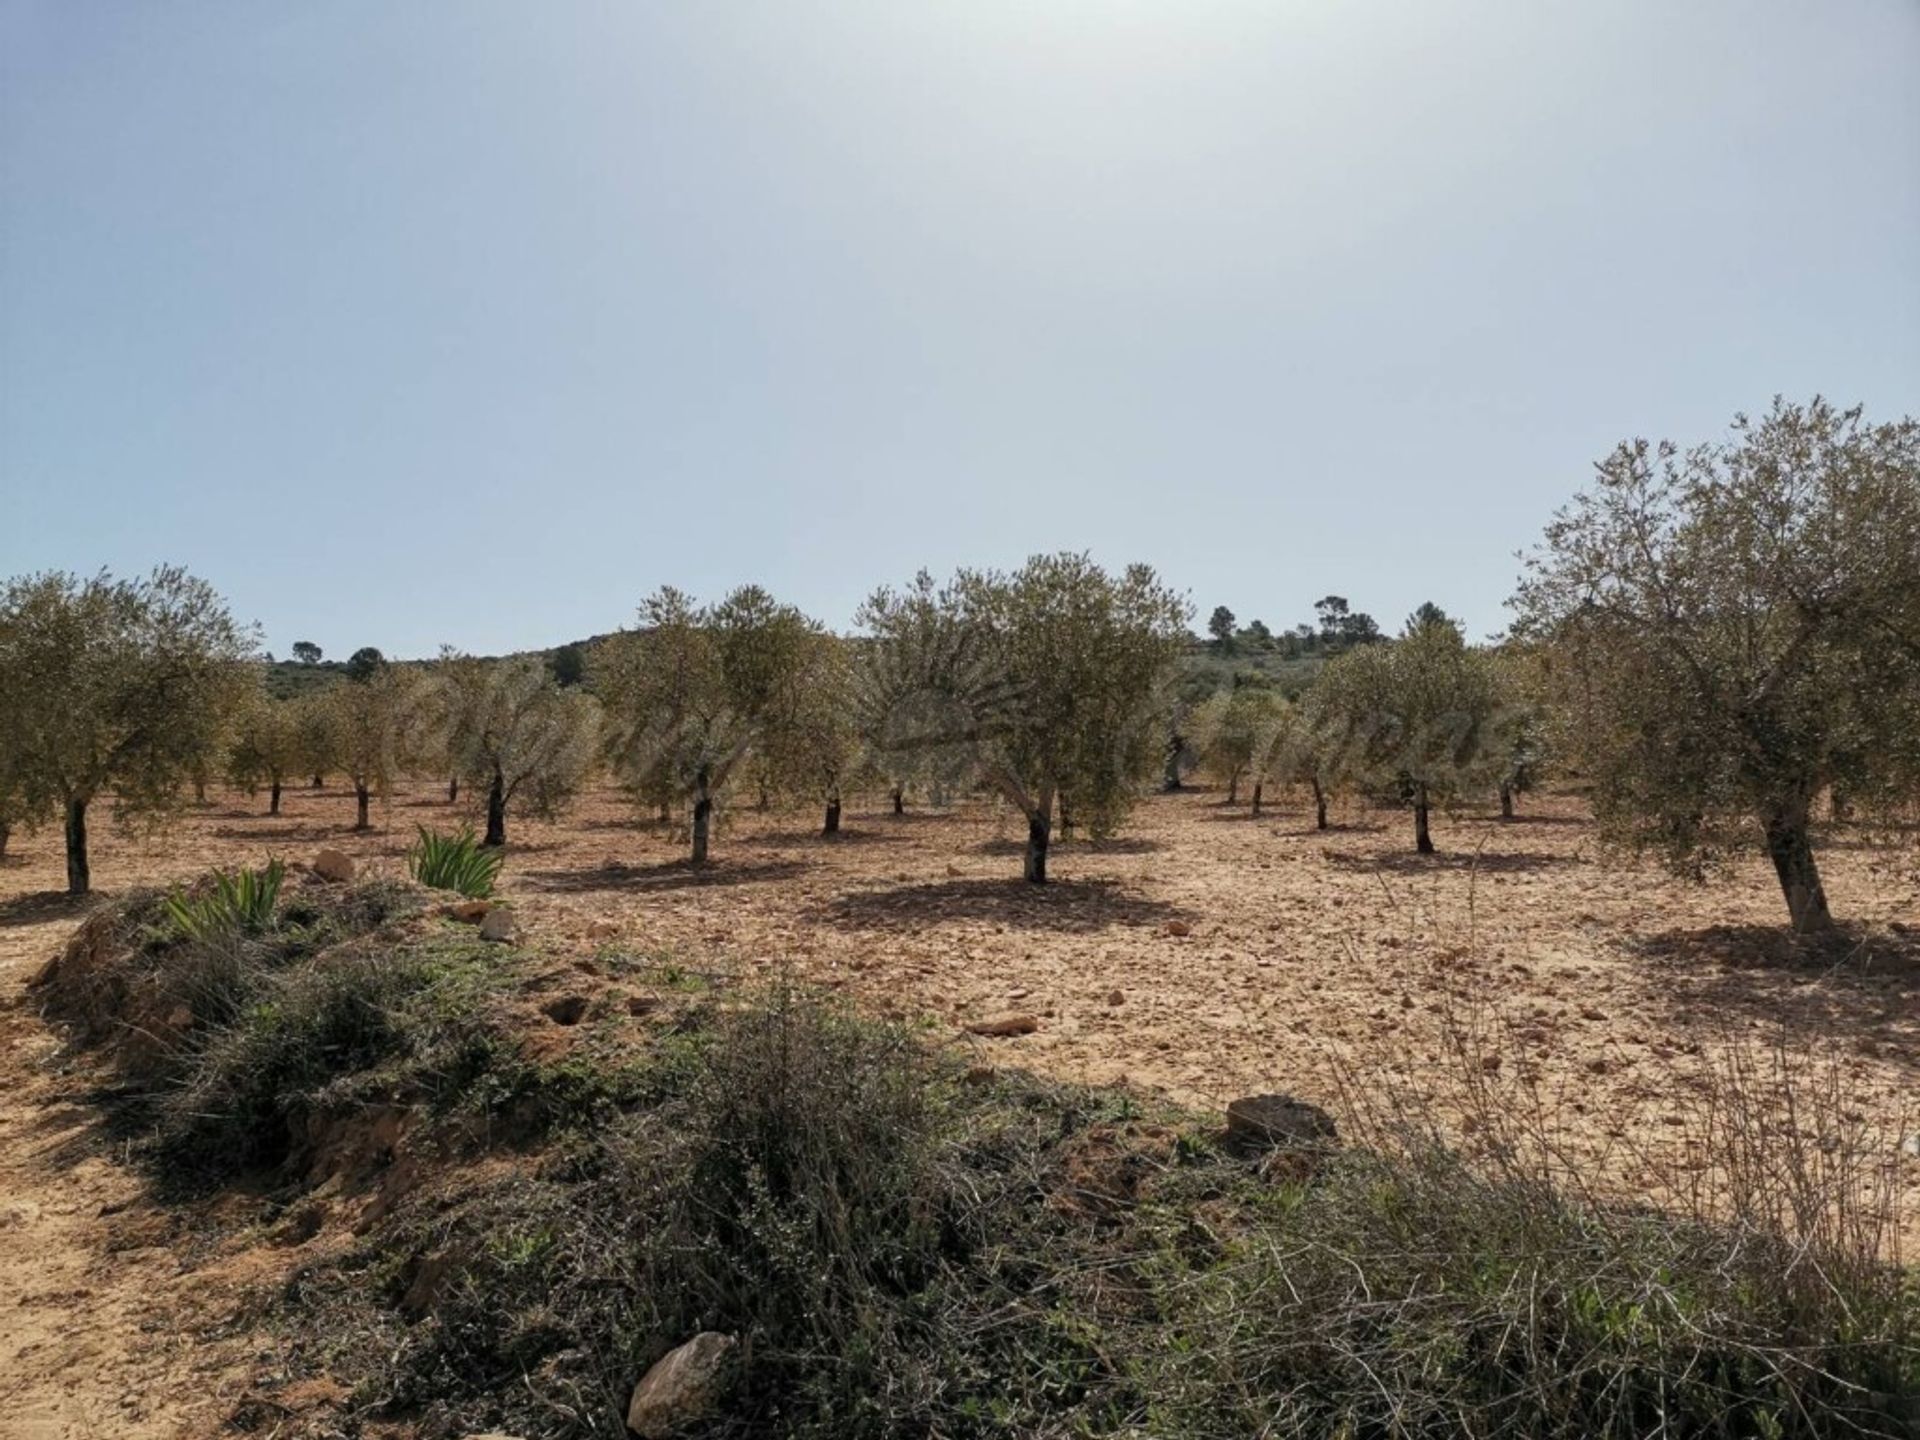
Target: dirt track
1205, 953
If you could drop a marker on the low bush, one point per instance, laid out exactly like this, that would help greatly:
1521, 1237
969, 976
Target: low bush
904, 1253
240, 903
457, 862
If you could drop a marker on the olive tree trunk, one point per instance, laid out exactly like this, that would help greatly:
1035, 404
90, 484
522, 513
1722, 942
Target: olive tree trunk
1319, 805
702, 813
1790, 848
79, 877
1506, 801
831, 825
1171, 781
496, 811
6, 832
1259, 786
899, 800
453, 790
273, 796
1233, 788
1039, 835
1422, 837
319, 782
360, 795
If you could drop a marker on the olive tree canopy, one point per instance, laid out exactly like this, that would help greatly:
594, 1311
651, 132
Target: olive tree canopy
518, 737
1410, 719
113, 685
1050, 675
1736, 628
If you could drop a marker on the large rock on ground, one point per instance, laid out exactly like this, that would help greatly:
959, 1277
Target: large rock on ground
1275, 1122
498, 924
680, 1388
1005, 1025
334, 865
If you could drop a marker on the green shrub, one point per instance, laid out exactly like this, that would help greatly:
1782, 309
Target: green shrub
459, 863
903, 1253
240, 903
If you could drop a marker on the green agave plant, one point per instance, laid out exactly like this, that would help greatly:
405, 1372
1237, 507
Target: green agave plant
242, 902
459, 863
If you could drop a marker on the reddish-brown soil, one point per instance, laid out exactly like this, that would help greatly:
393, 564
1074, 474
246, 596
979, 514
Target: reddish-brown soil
1204, 953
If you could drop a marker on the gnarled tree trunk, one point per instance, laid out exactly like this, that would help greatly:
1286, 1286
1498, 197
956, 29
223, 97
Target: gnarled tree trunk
1422, 837
319, 782
1171, 781
273, 796
79, 877
702, 813
1039, 835
1506, 800
1233, 788
496, 811
453, 790
899, 800
1319, 805
1790, 847
6, 833
831, 825
360, 795
1259, 786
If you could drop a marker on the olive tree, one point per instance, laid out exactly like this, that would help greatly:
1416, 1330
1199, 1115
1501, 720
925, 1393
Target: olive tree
519, 737
267, 746
1735, 628
812, 734
1409, 719
317, 735
374, 722
674, 730
113, 685
1232, 732
1050, 675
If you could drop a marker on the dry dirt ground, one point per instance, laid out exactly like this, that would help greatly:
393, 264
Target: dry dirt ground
1205, 953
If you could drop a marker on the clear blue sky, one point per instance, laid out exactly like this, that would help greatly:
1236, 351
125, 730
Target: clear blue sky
474, 322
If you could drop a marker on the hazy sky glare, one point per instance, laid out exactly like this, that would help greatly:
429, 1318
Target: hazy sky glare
474, 322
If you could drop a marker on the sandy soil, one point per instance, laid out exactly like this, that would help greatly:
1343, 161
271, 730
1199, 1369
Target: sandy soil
1205, 953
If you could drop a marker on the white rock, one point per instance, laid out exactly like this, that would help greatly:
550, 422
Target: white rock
680, 1388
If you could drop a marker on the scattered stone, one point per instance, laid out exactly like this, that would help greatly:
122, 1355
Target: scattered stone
1912, 1145
680, 1388
1005, 1025
1491, 1063
978, 1074
1019, 994
1593, 1013
499, 926
566, 1009
1278, 1122
333, 865
642, 1004
470, 912
1177, 927
1115, 997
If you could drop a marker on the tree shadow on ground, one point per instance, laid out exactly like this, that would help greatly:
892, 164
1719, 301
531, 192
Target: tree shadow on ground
783, 839
1861, 985
42, 907
286, 830
1484, 862
1113, 845
1062, 905
655, 879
